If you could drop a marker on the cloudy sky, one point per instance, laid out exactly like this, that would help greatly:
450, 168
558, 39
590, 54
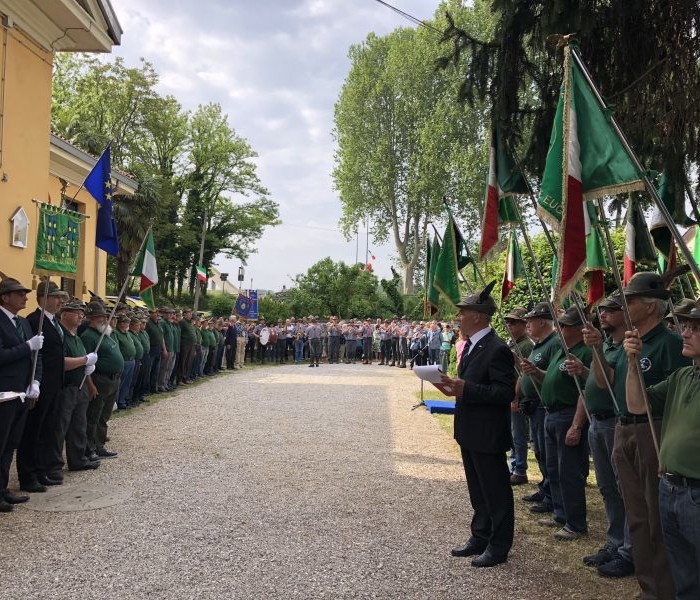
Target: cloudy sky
276, 67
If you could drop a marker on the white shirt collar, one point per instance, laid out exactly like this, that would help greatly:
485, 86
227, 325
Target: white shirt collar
8, 313
474, 339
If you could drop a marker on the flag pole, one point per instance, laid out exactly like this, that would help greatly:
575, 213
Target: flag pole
35, 353
640, 169
119, 296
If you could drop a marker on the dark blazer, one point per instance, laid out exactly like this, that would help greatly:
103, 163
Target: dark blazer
15, 356
482, 414
52, 353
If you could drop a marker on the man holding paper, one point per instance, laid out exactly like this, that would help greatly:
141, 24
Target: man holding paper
483, 391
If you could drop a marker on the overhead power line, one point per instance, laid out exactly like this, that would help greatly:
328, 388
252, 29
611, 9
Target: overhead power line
407, 16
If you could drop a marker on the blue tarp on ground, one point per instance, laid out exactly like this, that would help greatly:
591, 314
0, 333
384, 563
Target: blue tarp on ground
440, 406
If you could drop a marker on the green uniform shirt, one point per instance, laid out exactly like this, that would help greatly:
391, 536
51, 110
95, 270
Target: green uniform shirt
540, 355
73, 348
188, 335
137, 345
598, 400
145, 341
558, 387
177, 332
110, 360
197, 336
661, 356
155, 335
126, 344
679, 399
167, 330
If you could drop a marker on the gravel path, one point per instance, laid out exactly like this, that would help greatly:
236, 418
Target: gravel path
283, 482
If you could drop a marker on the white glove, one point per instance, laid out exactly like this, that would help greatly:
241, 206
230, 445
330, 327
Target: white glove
91, 360
33, 389
89, 370
36, 342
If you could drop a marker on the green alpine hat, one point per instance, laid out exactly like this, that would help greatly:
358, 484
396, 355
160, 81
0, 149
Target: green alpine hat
647, 285
480, 302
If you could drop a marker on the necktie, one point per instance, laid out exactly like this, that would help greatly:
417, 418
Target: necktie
465, 350
58, 328
20, 330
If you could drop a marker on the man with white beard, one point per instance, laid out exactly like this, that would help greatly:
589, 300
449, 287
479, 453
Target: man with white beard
106, 378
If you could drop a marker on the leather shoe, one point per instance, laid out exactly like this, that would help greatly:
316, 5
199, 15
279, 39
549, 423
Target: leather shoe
88, 466
56, 475
46, 480
92, 457
518, 479
6, 506
11, 498
33, 487
540, 508
104, 453
536, 497
488, 559
469, 549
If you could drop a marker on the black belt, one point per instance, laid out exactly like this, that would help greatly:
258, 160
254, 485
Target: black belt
682, 481
603, 416
559, 409
634, 419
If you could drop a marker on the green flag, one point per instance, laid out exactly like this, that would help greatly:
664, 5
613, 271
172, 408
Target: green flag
696, 247
432, 295
58, 241
445, 279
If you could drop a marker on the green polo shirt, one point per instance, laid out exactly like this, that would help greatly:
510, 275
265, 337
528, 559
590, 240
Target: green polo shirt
126, 344
167, 330
145, 341
540, 355
188, 335
73, 348
155, 335
559, 388
661, 356
679, 399
137, 345
110, 360
598, 400
177, 333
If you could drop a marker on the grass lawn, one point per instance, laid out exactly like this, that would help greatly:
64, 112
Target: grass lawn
564, 557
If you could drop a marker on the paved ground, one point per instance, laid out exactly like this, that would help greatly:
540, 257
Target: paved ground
283, 482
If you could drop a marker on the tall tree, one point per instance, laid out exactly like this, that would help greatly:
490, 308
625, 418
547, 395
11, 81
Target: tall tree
403, 143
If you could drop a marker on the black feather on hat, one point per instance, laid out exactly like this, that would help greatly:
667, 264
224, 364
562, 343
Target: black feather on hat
481, 302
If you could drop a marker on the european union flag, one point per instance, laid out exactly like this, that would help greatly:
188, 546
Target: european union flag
99, 184
242, 305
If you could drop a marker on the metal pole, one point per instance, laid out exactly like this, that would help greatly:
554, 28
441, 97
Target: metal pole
640, 169
35, 353
201, 260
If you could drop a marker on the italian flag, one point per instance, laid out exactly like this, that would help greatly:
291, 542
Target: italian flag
586, 160
596, 260
201, 273
639, 247
514, 266
147, 269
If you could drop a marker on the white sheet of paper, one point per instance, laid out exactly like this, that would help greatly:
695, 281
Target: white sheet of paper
430, 373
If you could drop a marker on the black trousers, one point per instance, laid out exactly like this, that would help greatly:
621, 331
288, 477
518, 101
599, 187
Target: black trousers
13, 415
32, 450
491, 496
231, 354
72, 427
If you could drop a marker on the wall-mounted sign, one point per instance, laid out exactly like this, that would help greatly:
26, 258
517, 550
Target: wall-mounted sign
20, 228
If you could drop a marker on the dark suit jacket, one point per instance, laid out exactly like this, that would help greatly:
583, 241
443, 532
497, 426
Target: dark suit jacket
482, 414
15, 357
52, 353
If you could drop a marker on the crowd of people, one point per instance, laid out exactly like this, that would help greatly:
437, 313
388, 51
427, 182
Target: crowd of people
582, 395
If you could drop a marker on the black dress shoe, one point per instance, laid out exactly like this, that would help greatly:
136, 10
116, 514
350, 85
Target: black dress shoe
536, 497
104, 453
11, 498
46, 480
488, 559
56, 475
6, 506
88, 466
33, 487
469, 549
92, 456
541, 508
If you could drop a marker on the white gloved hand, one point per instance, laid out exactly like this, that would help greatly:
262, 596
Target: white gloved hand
33, 390
36, 342
91, 360
89, 370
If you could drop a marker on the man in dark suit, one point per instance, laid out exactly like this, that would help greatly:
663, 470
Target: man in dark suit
17, 345
37, 454
484, 391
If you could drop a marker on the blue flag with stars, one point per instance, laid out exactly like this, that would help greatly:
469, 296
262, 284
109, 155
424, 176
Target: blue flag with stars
99, 184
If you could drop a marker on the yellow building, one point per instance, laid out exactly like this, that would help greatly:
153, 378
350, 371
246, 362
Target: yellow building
35, 165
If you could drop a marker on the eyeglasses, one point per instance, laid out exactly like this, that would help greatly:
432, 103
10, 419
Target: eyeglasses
692, 327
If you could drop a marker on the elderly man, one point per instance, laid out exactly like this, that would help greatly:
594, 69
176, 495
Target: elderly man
75, 399
678, 398
484, 390
36, 447
108, 370
634, 455
17, 345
